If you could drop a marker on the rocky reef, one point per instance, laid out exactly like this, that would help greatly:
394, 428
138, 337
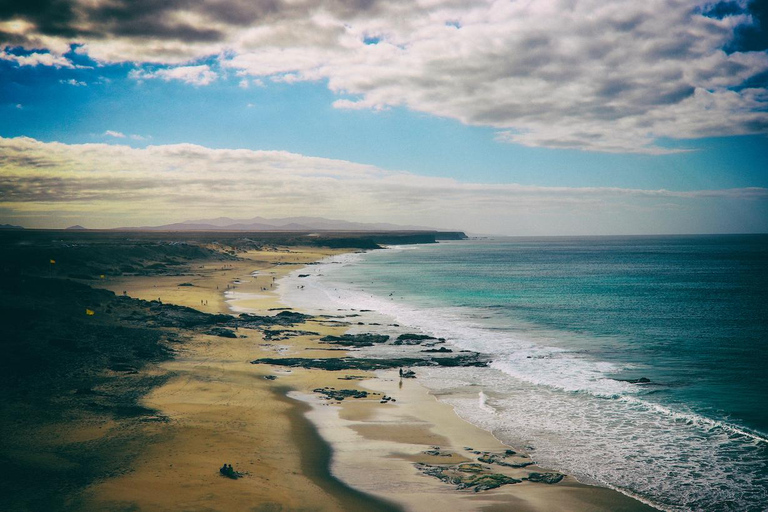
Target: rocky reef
471, 476
340, 394
356, 340
354, 363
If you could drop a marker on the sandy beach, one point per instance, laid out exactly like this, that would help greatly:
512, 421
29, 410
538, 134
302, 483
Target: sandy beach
296, 449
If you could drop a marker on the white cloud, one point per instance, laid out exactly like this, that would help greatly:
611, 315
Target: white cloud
587, 74
121, 135
73, 82
195, 75
37, 59
122, 185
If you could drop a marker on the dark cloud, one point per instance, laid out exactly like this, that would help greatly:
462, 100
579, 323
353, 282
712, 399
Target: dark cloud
52, 17
241, 12
676, 95
132, 18
158, 18
541, 70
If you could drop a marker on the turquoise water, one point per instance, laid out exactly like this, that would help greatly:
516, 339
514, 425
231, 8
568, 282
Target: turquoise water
569, 321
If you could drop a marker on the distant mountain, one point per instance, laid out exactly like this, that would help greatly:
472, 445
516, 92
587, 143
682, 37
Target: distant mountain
76, 227
284, 224
10, 226
304, 223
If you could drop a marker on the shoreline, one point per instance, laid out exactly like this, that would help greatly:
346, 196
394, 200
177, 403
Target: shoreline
605, 496
318, 455
218, 408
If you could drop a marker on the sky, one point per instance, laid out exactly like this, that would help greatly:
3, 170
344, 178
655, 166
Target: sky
515, 117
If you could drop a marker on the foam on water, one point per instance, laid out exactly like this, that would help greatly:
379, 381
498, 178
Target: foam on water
671, 463
524, 359
563, 406
482, 403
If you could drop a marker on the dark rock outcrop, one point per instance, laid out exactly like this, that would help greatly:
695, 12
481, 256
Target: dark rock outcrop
283, 318
641, 380
546, 478
284, 334
441, 350
412, 339
356, 340
353, 363
221, 332
341, 394
467, 476
500, 459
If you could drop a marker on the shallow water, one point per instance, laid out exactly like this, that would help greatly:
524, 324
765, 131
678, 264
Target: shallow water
564, 320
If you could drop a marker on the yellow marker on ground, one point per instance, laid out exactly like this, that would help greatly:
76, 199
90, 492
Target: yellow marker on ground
53, 262
102, 276
89, 312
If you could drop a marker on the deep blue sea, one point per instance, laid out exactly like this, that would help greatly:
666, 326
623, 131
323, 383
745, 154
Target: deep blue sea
571, 324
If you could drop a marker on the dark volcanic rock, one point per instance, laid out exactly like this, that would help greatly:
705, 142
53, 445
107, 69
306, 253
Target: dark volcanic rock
467, 476
356, 340
441, 350
499, 459
435, 451
284, 318
284, 334
641, 380
545, 478
412, 339
353, 363
341, 394
170, 315
222, 332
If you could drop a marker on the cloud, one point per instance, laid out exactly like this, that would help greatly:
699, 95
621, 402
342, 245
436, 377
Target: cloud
37, 59
195, 75
121, 135
118, 185
73, 82
592, 75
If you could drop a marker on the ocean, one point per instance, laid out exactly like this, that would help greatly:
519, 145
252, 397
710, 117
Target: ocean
636, 363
